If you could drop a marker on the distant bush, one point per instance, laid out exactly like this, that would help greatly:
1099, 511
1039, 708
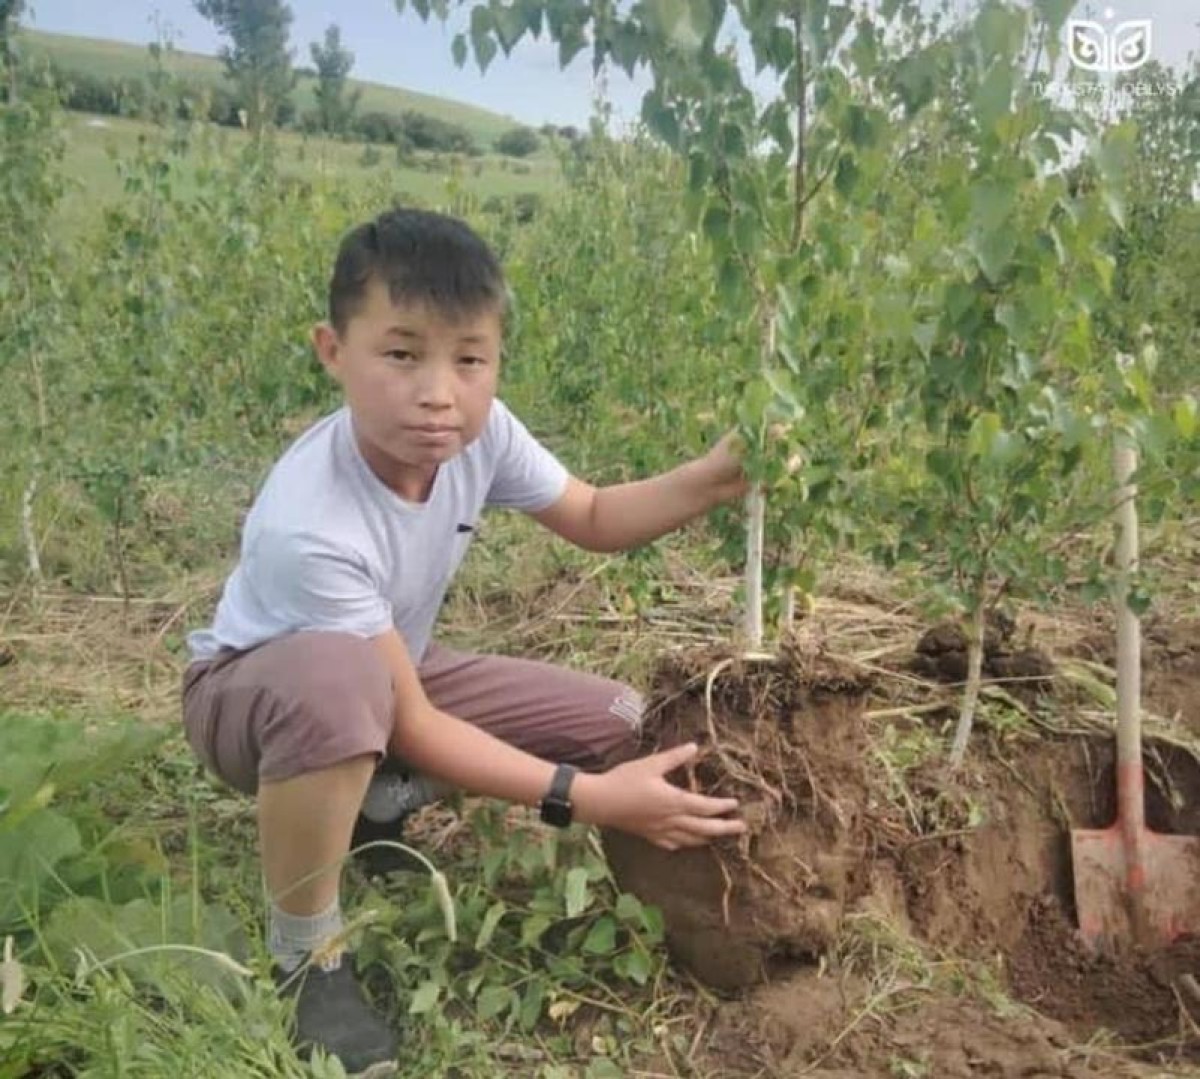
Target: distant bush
526, 206
86, 92
378, 127
370, 157
430, 133
523, 207
411, 130
570, 133
518, 142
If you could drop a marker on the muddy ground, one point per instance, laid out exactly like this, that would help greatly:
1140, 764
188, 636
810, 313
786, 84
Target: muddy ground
888, 919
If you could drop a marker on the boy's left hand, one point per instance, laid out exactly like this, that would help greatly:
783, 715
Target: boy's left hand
724, 464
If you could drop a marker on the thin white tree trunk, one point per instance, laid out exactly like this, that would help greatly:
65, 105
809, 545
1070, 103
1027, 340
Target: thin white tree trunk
966, 715
756, 518
29, 495
789, 606
756, 509
28, 532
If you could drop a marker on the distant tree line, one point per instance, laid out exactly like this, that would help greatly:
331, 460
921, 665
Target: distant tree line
408, 130
259, 90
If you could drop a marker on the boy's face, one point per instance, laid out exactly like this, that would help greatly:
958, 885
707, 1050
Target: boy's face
419, 384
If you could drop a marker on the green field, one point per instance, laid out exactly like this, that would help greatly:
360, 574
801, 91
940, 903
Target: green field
96, 146
117, 59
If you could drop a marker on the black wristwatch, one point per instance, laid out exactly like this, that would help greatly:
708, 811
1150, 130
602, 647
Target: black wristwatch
556, 807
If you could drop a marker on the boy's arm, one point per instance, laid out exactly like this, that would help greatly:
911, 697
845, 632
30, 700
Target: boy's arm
627, 515
633, 797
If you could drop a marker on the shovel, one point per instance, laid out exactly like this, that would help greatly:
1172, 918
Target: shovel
1132, 885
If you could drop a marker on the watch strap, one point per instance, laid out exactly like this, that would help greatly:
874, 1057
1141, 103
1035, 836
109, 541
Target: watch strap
560, 785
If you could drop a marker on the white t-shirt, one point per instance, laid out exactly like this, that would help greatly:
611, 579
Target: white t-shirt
328, 546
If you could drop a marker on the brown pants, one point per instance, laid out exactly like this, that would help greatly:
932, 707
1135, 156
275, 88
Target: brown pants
310, 700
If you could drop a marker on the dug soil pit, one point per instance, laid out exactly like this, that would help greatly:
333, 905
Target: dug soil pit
788, 740
961, 890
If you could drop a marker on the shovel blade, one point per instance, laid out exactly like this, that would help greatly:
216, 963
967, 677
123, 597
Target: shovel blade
1116, 908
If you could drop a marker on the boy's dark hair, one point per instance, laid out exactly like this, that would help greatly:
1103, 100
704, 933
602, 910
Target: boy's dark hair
419, 256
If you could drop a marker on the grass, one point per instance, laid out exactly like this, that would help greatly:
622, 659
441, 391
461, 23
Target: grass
95, 145
118, 59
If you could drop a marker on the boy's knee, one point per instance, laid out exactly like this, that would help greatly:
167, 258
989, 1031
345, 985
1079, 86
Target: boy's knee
338, 705
298, 704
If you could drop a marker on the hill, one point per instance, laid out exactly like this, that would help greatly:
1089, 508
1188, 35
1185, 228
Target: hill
119, 59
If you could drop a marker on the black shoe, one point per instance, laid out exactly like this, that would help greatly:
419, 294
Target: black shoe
378, 861
332, 1012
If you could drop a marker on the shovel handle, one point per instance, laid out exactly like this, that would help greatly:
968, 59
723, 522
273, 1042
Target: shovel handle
1130, 778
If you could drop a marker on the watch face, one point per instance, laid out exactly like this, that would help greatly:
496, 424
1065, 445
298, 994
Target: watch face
556, 813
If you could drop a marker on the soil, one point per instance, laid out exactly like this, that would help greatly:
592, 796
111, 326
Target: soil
1138, 997
830, 852
835, 1028
797, 761
941, 654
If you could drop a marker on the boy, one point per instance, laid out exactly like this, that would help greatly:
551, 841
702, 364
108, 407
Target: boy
318, 665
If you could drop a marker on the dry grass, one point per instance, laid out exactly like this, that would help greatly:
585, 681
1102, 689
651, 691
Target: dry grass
97, 654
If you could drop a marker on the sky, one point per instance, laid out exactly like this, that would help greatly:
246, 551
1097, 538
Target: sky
401, 50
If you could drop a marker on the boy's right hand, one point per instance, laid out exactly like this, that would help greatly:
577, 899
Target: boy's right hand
636, 797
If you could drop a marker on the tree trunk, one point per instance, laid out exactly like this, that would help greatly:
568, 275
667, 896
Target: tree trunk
756, 508
966, 715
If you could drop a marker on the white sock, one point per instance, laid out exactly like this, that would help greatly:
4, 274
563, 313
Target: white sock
389, 796
291, 937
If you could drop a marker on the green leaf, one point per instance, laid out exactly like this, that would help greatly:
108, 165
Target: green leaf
652, 922
481, 36
715, 223
924, 334
916, 80
532, 1004
777, 121
733, 141
992, 239
992, 204
493, 1000
458, 49
510, 26
846, 176
570, 44
999, 31
628, 908
984, 431
601, 938
490, 921
576, 892
993, 98
29, 853
660, 119
1186, 416
532, 929
424, 998
859, 126
633, 965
